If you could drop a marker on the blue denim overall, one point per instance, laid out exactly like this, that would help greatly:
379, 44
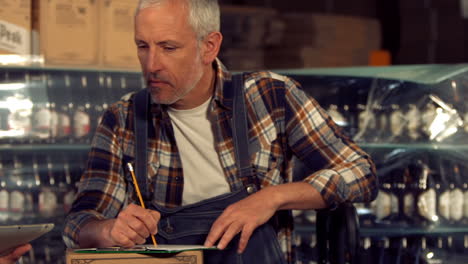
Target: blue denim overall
191, 224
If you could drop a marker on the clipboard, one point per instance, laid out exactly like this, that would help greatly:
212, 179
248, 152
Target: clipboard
148, 249
12, 236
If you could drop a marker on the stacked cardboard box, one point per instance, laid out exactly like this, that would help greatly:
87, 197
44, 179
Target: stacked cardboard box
65, 32
432, 31
318, 40
247, 31
85, 33
15, 27
365, 8
116, 23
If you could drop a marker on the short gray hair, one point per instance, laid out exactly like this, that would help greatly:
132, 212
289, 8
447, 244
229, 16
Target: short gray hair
204, 15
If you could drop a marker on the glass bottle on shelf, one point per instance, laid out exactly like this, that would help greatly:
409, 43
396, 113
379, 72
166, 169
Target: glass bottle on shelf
413, 115
81, 117
365, 251
62, 97
396, 123
48, 200
95, 97
397, 250
19, 105
440, 251
428, 115
59, 90
366, 123
383, 117
398, 179
4, 197
409, 198
54, 123
382, 206
52, 83
41, 117
354, 104
3, 111
456, 195
382, 252
464, 183
422, 187
299, 248
77, 162
15, 122
114, 87
127, 84
110, 95
38, 187
101, 102
69, 193
424, 255
443, 191
29, 189
17, 197
425, 192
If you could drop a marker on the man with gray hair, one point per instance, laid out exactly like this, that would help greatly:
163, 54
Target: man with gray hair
212, 175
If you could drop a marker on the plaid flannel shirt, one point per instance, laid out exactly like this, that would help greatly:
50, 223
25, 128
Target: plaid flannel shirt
283, 122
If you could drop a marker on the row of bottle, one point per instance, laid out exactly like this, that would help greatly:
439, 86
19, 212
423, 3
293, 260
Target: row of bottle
429, 120
420, 191
36, 187
424, 190
58, 106
390, 250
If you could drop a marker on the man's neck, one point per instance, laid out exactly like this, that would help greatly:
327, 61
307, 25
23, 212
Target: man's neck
201, 93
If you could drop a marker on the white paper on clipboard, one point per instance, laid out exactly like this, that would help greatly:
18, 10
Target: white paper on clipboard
12, 236
148, 248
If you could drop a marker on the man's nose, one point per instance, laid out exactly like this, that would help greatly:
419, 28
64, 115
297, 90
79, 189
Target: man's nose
154, 63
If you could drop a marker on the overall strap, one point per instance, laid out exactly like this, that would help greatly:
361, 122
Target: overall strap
240, 131
140, 112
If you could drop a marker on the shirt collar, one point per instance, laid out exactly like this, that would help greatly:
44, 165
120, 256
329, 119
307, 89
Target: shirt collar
222, 75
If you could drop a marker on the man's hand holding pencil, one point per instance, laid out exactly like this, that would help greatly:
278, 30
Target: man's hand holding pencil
134, 224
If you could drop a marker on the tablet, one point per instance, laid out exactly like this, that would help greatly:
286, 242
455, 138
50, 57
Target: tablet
12, 236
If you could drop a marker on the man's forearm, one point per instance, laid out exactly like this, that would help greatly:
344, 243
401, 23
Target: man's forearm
96, 233
296, 195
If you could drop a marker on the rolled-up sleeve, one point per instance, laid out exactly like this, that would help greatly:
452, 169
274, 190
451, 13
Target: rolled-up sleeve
340, 170
102, 188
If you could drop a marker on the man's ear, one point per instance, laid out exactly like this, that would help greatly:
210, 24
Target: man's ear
210, 47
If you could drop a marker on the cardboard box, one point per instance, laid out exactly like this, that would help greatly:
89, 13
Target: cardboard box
246, 27
417, 53
116, 27
318, 6
418, 26
185, 257
15, 27
65, 32
242, 59
319, 40
364, 8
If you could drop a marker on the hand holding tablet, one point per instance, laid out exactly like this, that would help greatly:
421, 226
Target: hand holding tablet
12, 236
15, 254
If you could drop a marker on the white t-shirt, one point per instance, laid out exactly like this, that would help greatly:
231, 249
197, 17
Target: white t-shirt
203, 174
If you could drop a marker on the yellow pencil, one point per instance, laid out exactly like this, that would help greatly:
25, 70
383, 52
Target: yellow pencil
135, 182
